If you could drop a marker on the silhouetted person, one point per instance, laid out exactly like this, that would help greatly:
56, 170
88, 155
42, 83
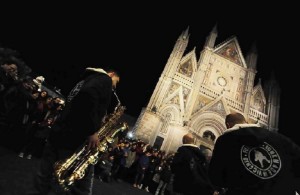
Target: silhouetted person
189, 168
251, 160
86, 106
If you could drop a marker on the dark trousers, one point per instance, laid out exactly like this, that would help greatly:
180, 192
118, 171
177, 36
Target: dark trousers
139, 178
46, 185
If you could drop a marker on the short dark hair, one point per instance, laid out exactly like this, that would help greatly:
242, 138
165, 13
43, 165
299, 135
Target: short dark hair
235, 118
188, 138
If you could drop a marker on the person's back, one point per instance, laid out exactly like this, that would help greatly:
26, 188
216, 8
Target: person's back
186, 179
248, 159
84, 110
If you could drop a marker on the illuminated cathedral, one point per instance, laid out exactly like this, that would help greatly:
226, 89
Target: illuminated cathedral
194, 95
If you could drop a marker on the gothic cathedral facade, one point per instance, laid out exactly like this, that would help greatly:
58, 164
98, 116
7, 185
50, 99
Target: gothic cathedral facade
194, 95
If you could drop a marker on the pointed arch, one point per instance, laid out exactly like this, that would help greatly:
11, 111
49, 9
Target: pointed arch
176, 98
208, 121
258, 99
219, 105
188, 64
173, 111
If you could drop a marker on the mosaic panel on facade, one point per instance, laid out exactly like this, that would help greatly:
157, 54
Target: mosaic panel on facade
218, 107
185, 94
175, 100
167, 120
201, 102
186, 68
173, 87
258, 103
230, 52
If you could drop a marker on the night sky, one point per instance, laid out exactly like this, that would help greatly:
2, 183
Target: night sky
61, 42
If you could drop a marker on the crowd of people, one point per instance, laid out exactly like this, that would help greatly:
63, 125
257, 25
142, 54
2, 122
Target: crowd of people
24, 106
138, 163
246, 160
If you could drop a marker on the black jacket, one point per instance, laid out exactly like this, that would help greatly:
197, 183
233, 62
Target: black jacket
253, 160
184, 180
85, 108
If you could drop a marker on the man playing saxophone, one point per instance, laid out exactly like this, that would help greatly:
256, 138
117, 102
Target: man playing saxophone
86, 106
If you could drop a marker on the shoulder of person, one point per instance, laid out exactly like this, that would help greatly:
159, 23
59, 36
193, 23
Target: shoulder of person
99, 76
182, 149
190, 147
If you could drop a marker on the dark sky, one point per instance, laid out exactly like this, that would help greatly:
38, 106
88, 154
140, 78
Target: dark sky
61, 42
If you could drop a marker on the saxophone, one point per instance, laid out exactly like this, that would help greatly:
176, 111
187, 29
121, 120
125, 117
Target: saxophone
72, 169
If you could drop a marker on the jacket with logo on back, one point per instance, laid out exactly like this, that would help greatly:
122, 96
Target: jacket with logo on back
248, 159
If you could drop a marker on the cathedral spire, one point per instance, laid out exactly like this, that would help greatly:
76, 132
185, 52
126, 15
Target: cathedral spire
169, 70
259, 81
253, 48
215, 29
251, 58
272, 91
211, 38
185, 34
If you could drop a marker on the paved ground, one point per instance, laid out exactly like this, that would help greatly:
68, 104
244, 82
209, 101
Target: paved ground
16, 174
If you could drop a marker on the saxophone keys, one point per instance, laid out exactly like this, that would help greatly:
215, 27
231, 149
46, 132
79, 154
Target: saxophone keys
109, 140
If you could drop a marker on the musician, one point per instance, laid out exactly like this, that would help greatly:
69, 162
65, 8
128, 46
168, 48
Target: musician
86, 106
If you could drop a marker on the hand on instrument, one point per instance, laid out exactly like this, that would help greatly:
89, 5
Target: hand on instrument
93, 141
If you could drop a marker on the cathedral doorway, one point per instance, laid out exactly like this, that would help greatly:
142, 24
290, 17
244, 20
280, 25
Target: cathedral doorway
158, 142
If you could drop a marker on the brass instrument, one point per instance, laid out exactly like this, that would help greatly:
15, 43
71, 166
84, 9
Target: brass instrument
68, 171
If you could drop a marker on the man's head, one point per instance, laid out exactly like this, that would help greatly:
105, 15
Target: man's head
114, 77
233, 119
207, 153
122, 145
148, 152
188, 139
11, 70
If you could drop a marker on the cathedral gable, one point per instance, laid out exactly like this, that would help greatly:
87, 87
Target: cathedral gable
200, 103
219, 106
258, 100
177, 98
231, 51
177, 95
188, 64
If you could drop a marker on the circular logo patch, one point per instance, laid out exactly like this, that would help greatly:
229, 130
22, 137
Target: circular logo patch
262, 161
